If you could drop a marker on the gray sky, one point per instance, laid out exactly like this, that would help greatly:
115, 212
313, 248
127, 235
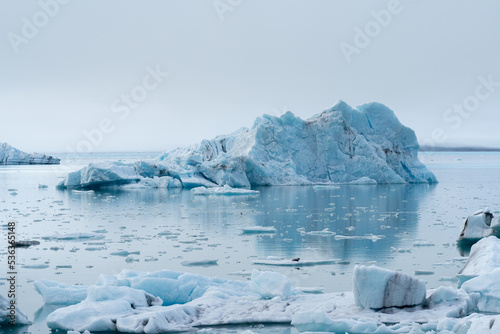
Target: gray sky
73, 66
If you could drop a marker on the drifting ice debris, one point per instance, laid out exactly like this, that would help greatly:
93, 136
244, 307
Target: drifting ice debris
258, 229
12, 156
200, 263
225, 190
277, 261
26, 243
367, 145
378, 288
481, 224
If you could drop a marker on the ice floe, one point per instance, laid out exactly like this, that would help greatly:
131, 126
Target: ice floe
297, 262
225, 190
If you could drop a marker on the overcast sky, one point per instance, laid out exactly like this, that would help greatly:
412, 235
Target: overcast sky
100, 67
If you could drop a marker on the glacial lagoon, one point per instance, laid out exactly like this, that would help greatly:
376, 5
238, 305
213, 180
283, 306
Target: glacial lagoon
406, 227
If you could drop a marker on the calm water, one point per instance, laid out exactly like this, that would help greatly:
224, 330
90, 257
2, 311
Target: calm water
201, 227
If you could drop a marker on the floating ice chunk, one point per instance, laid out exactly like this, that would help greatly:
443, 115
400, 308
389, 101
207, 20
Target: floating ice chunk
35, 266
124, 253
19, 318
269, 284
42, 186
484, 257
73, 236
364, 180
326, 187
200, 263
59, 293
422, 243
377, 288
371, 237
297, 262
325, 232
225, 190
12, 156
27, 243
98, 312
477, 226
258, 229
313, 290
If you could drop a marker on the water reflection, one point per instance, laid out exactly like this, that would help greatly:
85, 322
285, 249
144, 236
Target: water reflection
389, 211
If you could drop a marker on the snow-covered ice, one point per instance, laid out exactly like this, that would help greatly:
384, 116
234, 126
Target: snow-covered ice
367, 145
269, 284
59, 293
113, 305
378, 288
12, 156
484, 257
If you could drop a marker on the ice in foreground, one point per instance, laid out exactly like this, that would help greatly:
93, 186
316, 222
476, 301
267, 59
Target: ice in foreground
367, 145
5, 314
166, 301
12, 156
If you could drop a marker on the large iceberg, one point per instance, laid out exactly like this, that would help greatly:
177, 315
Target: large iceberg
12, 156
339, 145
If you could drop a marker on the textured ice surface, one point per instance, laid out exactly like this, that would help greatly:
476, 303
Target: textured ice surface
267, 298
478, 226
380, 288
484, 257
269, 284
5, 314
12, 156
59, 293
367, 145
225, 190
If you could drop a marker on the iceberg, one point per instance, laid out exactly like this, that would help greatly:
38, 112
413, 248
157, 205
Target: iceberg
7, 317
341, 145
378, 288
481, 224
484, 257
12, 156
195, 301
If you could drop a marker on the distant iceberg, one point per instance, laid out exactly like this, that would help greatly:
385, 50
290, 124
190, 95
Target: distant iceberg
12, 156
340, 145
